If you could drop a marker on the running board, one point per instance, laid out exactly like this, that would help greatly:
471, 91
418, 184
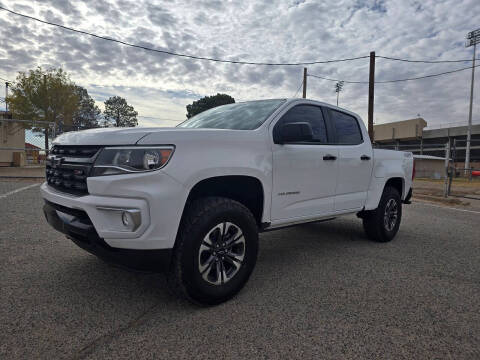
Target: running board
267, 226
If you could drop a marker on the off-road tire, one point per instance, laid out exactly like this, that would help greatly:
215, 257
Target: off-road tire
184, 276
374, 220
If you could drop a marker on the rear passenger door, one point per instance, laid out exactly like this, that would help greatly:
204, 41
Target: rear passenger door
304, 173
355, 161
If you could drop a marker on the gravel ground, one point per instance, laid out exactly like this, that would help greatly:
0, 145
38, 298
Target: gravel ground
318, 291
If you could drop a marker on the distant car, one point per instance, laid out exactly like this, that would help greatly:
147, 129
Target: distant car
195, 197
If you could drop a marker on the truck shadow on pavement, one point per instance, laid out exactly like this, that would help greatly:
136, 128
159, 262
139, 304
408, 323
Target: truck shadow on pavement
92, 280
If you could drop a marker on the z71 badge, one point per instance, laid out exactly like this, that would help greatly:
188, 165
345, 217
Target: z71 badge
289, 193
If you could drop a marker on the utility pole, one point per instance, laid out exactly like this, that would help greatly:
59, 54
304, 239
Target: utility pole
304, 83
371, 94
6, 95
473, 38
46, 112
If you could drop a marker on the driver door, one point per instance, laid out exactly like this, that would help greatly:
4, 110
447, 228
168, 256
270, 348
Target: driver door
304, 173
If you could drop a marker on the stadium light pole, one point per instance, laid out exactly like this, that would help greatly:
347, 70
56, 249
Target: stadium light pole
473, 38
338, 88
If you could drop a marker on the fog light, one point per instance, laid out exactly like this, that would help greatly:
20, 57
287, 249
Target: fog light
131, 219
126, 219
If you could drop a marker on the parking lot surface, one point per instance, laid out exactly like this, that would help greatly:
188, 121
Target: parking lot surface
318, 291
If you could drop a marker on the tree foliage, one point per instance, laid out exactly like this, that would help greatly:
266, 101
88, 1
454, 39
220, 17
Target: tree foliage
50, 95
118, 113
208, 102
43, 95
87, 114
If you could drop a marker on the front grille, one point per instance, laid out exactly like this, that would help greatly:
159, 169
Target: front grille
74, 151
68, 167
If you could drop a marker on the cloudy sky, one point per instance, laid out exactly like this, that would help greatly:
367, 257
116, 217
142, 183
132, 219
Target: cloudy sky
159, 86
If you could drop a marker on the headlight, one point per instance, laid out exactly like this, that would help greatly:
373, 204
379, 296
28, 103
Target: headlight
132, 159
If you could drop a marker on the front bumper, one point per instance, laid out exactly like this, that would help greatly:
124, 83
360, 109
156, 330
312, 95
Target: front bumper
78, 227
156, 198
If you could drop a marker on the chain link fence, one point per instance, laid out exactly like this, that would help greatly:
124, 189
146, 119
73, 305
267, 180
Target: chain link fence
454, 149
450, 158
457, 170
27, 142
22, 142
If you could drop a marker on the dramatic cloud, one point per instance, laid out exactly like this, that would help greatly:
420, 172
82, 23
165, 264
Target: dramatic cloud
159, 86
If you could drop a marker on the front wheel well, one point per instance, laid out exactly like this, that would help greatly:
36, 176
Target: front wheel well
247, 190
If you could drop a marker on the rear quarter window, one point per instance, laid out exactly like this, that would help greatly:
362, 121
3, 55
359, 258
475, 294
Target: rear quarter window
346, 127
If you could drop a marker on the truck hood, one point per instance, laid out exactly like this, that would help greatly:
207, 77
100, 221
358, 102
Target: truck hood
102, 136
147, 136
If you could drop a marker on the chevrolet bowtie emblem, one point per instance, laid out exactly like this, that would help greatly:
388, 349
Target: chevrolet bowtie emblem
56, 162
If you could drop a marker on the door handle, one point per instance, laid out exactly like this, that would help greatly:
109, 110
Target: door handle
364, 157
329, 157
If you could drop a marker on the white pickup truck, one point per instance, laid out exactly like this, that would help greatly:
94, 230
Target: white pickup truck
192, 199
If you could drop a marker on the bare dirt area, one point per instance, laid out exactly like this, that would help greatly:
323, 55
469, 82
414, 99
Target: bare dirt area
464, 193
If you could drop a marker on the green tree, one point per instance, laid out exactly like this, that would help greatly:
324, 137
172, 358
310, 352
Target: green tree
87, 114
208, 102
118, 113
47, 95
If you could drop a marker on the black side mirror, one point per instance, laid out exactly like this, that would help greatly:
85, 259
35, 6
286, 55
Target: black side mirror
296, 132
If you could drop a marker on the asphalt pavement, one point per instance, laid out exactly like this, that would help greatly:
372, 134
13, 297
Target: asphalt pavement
318, 291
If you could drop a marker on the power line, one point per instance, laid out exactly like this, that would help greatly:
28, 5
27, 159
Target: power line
426, 76
395, 80
168, 52
1, 78
296, 92
337, 80
424, 61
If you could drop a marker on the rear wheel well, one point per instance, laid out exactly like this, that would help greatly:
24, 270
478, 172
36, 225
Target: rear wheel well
247, 190
396, 183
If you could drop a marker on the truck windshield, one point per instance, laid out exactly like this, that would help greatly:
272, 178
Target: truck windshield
240, 116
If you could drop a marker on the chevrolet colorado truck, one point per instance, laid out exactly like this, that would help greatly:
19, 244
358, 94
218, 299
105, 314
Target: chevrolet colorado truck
192, 199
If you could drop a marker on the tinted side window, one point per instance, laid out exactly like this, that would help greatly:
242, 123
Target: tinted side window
346, 128
305, 113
